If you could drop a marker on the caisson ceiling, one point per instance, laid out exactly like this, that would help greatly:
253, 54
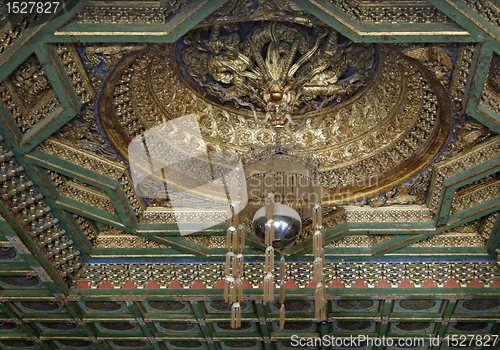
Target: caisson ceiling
402, 100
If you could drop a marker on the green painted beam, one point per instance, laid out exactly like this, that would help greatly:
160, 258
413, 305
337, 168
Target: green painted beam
10, 126
11, 229
385, 33
487, 117
88, 211
183, 245
6, 310
71, 170
461, 18
59, 117
296, 293
396, 228
123, 208
186, 19
478, 73
263, 324
447, 313
463, 178
494, 241
324, 330
19, 52
144, 327
385, 314
195, 307
85, 327
465, 16
398, 242
477, 211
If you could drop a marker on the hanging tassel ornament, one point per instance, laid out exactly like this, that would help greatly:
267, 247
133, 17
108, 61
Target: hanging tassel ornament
230, 237
227, 286
317, 242
236, 315
241, 230
282, 316
269, 232
318, 270
227, 266
282, 292
269, 260
317, 216
320, 309
268, 288
239, 290
269, 205
282, 267
238, 266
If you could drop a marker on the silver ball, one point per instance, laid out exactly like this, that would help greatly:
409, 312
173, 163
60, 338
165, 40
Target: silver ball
287, 225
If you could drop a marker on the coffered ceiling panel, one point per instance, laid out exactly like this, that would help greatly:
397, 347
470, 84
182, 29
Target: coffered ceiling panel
403, 114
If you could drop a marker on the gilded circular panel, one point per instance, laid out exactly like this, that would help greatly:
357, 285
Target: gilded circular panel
19, 343
294, 305
417, 304
374, 120
130, 343
221, 305
75, 343
227, 326
167, 305
355, 304
40, 305
7, 326
186, 344
481, 304
354, 325
19, 281
59, 325
470, 326
117, 326
103, 305
241, 344
412, 326
7, 253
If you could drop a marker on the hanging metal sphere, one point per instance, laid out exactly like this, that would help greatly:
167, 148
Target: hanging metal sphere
287, 225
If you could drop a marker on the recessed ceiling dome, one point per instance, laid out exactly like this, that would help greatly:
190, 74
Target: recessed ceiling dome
372, 126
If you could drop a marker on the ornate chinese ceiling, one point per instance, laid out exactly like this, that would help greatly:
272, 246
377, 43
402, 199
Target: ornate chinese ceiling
402, 100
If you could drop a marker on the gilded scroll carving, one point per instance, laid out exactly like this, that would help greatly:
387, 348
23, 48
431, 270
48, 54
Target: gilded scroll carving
409, 193
28, 95
476, 155
111, 237
15, 28
472, 234
300, 272
400, 12
364, 241
356, 140
490, 10
491, 92
73, 66
88, 228
460, 73
475, 193
259, 10
129, 12
231, 68
107, 167
36, 218
82, 192
438, 59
